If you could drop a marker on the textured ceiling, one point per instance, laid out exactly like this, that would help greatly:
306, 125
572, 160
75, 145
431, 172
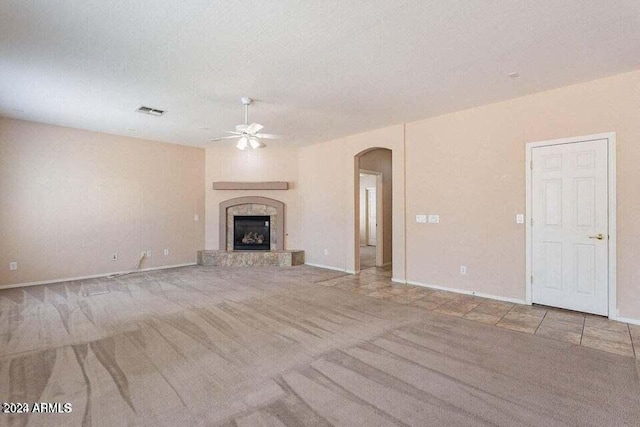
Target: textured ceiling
318, 69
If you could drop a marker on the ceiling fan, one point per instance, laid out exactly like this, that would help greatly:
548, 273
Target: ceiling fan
248, 133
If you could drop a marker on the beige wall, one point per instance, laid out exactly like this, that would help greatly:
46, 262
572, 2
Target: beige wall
70, 198
327, 186
380, 160
277, 162
469, 167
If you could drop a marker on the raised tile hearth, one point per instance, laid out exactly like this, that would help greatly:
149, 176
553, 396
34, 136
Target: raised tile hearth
251, 258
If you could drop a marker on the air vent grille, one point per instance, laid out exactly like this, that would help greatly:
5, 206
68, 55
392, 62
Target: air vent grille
148, 110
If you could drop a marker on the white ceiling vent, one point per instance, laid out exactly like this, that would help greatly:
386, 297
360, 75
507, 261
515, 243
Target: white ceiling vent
151, 111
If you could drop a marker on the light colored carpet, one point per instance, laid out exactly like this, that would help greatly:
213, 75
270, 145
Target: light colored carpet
267, 346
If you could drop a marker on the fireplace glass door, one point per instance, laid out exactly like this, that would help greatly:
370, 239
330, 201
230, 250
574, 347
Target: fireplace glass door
251, 233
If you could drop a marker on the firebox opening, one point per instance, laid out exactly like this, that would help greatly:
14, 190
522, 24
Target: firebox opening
251, 233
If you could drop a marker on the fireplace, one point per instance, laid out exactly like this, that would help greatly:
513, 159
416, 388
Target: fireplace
251, 233
253, 207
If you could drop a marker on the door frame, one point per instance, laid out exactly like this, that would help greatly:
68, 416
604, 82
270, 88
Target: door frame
611, 187
379, 218
367, 192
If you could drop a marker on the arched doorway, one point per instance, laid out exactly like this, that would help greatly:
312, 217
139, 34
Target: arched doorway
373, 203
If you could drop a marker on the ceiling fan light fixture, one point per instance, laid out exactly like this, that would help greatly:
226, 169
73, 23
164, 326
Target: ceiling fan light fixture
255, 143
242, 143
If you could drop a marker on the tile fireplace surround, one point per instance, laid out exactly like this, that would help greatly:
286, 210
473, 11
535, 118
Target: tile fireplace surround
251, 206
259, 206
252, 210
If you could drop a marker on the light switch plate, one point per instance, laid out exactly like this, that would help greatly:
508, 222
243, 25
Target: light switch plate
434, 219
13, 266
520, 219
422, 219
196, 217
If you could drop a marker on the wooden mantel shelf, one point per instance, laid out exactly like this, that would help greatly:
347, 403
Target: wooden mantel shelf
265, 185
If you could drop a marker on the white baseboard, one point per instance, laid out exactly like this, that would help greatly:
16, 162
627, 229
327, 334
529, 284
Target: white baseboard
462, 291
94, 276
625, 320
326, 267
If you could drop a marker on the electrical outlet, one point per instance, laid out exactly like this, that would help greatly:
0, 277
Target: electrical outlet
114, 257
326, 251
148, 254
421, 219
13, 265
166, 252
434, 219
143, 254
519, 218
463, 269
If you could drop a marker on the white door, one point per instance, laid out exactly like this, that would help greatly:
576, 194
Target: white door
570, 226
372, 221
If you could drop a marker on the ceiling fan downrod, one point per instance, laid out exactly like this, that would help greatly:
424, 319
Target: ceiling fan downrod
246, 102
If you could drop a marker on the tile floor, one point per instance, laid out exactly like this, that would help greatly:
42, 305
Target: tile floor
577, 328
367, 256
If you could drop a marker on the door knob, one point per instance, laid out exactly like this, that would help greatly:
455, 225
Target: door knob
597, 236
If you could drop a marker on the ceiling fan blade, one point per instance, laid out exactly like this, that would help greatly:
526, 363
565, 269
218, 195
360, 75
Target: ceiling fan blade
241, 128
223, 137
253, 128
232, 132
243, 143
270, 136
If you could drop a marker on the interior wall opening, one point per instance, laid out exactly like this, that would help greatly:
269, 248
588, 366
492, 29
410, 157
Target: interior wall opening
373, 202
